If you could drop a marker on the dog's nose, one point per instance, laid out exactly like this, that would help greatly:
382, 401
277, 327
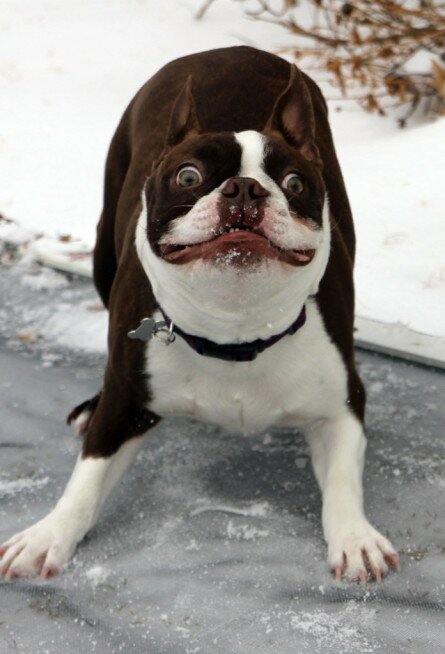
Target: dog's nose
244, 190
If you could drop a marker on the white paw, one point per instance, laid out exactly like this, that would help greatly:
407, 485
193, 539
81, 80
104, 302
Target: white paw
356, 549
41, 549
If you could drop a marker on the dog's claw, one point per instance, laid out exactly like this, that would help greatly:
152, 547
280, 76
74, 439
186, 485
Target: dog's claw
49, 571
337, 573
393, 560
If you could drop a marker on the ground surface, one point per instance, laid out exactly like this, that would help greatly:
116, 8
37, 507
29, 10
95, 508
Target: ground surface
212, 543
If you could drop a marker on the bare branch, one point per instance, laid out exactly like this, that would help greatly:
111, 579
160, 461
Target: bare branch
365, 46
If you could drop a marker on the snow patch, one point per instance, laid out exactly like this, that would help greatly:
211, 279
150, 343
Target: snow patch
71, 326
15, 234
244, 532
97, 575
19, 485
336, 630
45, 278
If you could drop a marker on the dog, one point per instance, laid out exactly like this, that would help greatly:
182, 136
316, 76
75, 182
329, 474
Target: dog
225, 256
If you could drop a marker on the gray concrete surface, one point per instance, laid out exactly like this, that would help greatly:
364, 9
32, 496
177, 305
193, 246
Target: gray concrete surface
212, 542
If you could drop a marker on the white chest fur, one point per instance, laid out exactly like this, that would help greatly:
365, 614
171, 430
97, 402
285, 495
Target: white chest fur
298, 380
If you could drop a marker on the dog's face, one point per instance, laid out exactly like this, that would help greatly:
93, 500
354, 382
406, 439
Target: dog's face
245, 211
235, 200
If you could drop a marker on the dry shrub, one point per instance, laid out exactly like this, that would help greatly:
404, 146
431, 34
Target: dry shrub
383, 54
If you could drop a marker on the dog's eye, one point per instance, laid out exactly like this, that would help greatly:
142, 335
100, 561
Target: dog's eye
188, 176
293, 182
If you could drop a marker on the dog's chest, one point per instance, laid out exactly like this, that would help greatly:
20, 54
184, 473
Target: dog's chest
298, 380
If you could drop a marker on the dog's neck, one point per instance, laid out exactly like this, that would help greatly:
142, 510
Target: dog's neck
224, 306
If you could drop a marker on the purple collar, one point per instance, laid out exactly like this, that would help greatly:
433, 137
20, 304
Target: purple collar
235, 351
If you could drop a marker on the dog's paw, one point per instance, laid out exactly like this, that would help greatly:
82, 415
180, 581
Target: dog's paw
358, 551
43, 549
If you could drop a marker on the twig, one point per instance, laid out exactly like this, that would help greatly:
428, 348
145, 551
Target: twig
201, 12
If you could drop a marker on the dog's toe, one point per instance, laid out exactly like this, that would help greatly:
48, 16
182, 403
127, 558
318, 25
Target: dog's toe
358, 552
41, 549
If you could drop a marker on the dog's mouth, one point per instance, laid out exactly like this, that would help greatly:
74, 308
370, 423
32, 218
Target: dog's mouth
237, 245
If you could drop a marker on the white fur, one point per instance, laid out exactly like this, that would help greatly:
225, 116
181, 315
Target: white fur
298, 380
200, 224
47, 545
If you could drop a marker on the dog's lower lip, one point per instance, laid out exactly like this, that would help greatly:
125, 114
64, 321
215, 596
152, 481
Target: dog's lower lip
175, 253
231, 235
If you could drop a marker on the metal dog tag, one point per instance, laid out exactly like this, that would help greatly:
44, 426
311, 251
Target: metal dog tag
150, 328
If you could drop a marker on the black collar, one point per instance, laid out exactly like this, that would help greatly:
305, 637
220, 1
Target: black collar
235, 351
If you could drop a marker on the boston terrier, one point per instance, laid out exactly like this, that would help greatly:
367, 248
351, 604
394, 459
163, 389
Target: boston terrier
224, 255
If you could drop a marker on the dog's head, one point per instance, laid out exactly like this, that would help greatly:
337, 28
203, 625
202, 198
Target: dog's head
229, 207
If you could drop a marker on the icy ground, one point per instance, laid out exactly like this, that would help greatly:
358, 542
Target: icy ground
68, 70
212, 543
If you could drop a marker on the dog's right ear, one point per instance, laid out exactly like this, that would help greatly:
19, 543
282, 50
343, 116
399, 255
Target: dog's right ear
183, 119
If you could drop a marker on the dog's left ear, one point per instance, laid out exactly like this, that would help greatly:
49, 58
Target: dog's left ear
183, 119
293, 116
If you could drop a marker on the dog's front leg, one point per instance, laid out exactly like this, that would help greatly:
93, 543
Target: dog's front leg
47, 545
354, 546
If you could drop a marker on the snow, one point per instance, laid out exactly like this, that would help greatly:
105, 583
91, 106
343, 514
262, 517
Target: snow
244, 531
46, 309
67, 72
398, 207
334, 630
97, 575
14, 486
70, 325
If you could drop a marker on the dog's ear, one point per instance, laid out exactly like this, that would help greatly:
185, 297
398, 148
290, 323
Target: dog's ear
293, 116
183, 118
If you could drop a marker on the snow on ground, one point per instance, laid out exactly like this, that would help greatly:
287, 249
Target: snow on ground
67, 72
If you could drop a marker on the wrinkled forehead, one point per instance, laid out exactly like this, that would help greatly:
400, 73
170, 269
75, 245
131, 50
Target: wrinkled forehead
247, 154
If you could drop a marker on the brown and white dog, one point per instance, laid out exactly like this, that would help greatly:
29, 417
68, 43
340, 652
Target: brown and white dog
226, 221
